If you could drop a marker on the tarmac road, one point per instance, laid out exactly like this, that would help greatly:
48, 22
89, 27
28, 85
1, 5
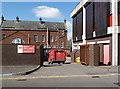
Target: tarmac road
66, 75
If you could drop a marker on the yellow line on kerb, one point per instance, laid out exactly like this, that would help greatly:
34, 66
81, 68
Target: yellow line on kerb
65, 76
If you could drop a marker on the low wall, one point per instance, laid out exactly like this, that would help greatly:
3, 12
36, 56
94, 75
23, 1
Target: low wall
10, 57
75, 53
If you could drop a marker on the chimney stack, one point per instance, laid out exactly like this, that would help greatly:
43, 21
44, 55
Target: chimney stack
2, 18
17, 19
65, 21
40, 19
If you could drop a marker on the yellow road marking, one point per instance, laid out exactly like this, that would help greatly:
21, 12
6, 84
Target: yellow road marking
65, 76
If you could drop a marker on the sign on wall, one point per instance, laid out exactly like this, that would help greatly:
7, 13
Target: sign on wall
26, 49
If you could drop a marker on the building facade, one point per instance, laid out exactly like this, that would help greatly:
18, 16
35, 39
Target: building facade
96, 31
50, 34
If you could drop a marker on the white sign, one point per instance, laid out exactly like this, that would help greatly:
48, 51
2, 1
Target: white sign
26, 49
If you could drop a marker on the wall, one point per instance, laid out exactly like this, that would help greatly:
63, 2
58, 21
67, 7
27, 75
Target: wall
75, 53
74, 28
89, 20
23, 34
10, 57
94, 55
96, 20
101, 18
59, 39
78, 26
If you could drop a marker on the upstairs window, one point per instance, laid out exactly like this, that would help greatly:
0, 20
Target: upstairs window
43, 38
3, 35
35, 38
18, 41
55, 38
62, 44
52, 38
62, 32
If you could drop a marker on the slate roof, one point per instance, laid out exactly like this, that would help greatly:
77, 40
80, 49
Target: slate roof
31, 25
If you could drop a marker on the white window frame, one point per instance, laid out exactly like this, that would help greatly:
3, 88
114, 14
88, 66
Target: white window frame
62, 44
17, 41
62, 32
36, 38
55, 38
52, 38
3, 35
43, 38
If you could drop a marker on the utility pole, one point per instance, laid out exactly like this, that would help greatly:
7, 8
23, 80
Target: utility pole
114, 32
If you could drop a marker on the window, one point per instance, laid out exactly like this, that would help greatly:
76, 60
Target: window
110, 7
119, 7
35, 38
43, 38
62, 32
55, 38
62, 44
3, 35
52, 38
17, 41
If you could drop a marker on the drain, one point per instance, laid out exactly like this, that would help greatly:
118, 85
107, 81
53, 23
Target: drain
95, 76
21, 79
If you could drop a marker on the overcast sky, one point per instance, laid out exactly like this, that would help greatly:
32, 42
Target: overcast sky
48, 11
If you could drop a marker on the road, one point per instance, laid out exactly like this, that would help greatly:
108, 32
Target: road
65, 75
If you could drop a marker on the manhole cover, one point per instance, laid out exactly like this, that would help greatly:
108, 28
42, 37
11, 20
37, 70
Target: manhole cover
21, 79
95, 76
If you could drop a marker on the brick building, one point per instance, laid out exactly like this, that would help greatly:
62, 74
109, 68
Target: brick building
51, 34
96, 31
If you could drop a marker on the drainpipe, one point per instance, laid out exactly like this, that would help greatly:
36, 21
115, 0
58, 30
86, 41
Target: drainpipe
84, 25
47, 37
28, 38
114, 32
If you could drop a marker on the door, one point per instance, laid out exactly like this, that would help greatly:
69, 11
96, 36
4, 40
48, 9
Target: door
106, 58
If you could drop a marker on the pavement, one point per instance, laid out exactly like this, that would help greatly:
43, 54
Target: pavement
74, 69
67, 69
18, 70
64, 75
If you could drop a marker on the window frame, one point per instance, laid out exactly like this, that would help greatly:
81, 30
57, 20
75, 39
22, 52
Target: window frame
36, 38
62, 44
55, 38
62, 32
3, 36
51, 38
43, 38
15, 41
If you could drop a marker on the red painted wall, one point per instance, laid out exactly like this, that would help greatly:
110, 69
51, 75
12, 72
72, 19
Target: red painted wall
111, 20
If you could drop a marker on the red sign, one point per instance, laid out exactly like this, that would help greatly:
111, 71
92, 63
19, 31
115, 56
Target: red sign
26, 49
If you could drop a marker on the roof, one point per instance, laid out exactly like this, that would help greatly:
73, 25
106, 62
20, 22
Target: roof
31, 25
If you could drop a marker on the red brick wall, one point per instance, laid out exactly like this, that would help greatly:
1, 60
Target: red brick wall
24, 36
11, 57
